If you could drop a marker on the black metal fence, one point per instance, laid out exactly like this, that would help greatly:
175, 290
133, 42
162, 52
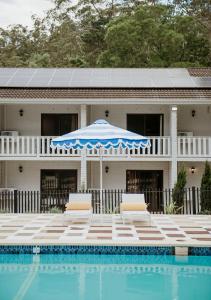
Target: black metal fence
52, 200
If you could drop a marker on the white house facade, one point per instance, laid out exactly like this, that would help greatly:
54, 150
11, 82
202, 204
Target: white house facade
170, 106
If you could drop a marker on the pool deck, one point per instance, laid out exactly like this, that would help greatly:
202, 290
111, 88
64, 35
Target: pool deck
56, 229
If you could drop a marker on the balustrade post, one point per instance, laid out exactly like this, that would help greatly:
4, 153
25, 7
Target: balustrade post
83, 181
15, 194
173, 131
194, 199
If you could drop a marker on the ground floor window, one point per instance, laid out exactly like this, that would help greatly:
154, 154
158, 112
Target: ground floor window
150, 182
55, 188
58, 180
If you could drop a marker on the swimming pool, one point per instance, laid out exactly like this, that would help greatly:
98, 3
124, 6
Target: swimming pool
104, 277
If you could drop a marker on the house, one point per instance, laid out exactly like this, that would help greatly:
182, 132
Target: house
171, 106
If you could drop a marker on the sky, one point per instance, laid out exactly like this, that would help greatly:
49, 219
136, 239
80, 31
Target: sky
20, 11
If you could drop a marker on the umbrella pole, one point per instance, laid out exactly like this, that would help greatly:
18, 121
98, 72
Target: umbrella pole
101, 183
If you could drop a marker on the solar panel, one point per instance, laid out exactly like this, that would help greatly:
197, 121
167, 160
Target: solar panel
203, 81
98, 77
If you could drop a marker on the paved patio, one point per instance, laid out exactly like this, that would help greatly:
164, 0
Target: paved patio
174, 230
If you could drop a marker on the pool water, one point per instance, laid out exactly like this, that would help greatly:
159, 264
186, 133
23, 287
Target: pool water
95, 277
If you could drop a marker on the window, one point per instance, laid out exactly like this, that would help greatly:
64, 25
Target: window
58, 124
145, 124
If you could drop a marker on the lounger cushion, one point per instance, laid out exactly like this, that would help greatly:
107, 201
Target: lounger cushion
78, 206
78, 213
133, 206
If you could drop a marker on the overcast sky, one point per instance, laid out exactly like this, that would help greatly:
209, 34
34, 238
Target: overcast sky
20, 11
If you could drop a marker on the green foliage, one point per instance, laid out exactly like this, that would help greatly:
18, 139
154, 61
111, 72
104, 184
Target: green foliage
179, 188
112, 33
206, 188
172, 209
55, 210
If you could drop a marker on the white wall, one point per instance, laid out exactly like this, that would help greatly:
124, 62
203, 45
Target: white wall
193, 179
118, 113
116, 177
30, 122
29, 179
200, 124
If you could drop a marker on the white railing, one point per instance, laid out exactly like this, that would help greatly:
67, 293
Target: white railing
194, 146
39, 146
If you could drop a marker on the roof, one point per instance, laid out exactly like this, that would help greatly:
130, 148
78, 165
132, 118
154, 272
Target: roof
104, 78
109, 93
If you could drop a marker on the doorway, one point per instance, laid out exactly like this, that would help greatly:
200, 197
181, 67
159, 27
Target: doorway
145, 124
55, 188
58, 124
149, 182
59, 180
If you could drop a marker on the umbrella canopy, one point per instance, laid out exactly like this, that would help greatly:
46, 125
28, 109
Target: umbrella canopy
100, 134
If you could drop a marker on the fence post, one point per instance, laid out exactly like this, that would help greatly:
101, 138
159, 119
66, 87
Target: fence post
194, 199
15, 201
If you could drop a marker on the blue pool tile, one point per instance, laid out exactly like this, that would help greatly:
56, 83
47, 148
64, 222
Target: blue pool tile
68, 249
199, 251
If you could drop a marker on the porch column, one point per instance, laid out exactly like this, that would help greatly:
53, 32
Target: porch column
83, 118
173, 133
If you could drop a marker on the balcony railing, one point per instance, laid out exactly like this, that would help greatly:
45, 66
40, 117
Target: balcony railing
39, 146
194, 146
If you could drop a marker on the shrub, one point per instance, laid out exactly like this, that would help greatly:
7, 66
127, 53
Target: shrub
206, 188
172, 209
55, 210
179, 188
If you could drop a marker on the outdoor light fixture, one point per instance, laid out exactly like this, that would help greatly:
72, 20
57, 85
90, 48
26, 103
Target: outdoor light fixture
193, 170
21, 112
20, 168
107, 113
193, 113
106, 169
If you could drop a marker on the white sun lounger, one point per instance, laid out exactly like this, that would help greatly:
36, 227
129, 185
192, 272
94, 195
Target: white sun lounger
77, 197
134, 215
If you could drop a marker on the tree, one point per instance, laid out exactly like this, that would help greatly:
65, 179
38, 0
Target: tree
179, 188
110, 33
154, 37
206, 188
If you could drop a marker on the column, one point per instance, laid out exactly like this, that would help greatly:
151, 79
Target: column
173, 134
83, 118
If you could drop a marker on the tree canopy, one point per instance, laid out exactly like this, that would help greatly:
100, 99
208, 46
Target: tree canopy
112, 33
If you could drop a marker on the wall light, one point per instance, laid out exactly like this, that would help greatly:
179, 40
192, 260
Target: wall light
193, 113
106, 113
106, 169
20, 168
193, 170
21, 112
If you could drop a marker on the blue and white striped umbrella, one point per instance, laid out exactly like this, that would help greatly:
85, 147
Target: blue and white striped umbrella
100, 134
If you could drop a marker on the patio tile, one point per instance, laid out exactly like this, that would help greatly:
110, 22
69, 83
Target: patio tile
123, 228
52, 231
125, 235
46, 237
100, 231
7, 231
203, 239
24, 234
155, 238
148, 231
169, 229
175, 235
73, 234
196, 232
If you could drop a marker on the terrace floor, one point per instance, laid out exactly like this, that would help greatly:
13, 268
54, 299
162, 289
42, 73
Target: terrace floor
37, 229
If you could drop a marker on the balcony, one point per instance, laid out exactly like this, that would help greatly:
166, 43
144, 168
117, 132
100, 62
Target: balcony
38, 148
